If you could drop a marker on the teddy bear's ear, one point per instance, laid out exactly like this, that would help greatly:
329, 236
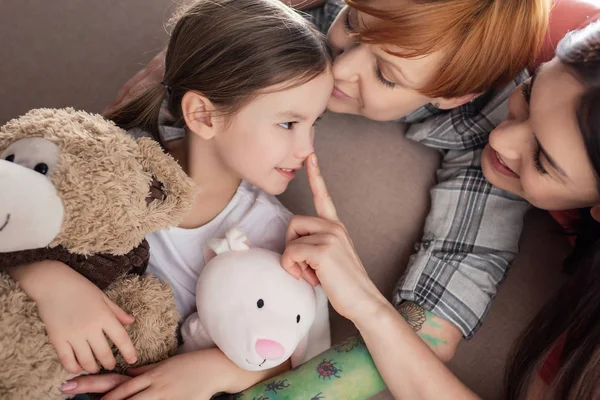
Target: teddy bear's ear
170, 190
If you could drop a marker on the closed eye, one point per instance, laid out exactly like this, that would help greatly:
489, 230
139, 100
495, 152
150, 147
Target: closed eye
526, 91
382, 78
346, 22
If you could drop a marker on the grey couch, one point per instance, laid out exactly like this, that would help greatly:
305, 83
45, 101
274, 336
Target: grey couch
78, 53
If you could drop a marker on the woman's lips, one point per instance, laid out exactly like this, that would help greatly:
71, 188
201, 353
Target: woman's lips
500, 165
339, 94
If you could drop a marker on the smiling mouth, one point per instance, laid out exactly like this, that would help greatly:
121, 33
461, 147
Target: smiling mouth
260, 365
5, 222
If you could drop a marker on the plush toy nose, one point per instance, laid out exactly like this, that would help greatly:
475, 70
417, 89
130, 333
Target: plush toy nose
269, 349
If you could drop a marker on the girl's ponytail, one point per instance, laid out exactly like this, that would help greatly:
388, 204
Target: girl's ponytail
141, 112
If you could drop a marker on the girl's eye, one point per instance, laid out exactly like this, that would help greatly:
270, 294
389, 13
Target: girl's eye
382, 79
526, 91
537, 162
287, 125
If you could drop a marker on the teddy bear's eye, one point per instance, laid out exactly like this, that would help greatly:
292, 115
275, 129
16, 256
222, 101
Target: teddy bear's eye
42, 168
260, 303
10, 158
298, 318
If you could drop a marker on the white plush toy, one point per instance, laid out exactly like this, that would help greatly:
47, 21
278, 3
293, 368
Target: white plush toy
254, 311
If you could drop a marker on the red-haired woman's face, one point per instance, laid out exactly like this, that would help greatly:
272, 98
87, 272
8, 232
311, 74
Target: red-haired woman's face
538, 153
373, 83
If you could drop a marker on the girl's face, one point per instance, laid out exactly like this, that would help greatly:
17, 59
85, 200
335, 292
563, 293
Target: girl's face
371, 82
269, 139
538, 153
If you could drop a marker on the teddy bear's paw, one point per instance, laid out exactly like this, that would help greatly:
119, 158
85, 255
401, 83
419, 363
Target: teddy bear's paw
29, 366
152, 304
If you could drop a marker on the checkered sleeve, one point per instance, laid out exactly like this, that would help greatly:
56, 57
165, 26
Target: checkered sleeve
323, 16
472, 231
471, 235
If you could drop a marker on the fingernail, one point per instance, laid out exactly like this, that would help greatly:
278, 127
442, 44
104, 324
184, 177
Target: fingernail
69, 385
314, 160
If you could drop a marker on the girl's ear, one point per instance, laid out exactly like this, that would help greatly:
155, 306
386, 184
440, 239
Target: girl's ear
197, 113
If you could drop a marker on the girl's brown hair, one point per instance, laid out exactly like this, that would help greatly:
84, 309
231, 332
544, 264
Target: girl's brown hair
573, 315
485, 42
229, 51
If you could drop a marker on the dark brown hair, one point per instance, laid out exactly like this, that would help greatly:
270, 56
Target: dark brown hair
573, 315
230, 51
485, 42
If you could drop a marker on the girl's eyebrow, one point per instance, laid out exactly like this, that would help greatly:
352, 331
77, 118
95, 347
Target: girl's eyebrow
291, 115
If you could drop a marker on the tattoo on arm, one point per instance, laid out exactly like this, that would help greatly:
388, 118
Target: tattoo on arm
416, 316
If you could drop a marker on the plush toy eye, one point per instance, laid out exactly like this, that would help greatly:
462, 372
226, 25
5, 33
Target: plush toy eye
42, 168
260, 303
10, 158
298, 318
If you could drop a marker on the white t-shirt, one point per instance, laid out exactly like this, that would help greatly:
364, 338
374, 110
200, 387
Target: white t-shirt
177, 255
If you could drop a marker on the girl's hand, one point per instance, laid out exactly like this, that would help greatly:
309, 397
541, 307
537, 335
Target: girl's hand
77, 316
321, 245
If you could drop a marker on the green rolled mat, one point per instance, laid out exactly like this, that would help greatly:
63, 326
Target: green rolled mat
344, 372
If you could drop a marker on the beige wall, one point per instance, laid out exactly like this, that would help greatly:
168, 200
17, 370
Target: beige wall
58, 53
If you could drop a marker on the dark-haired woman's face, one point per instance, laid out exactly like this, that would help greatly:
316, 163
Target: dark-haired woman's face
538, 153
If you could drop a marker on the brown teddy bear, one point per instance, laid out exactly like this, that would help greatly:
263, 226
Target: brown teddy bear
76, 188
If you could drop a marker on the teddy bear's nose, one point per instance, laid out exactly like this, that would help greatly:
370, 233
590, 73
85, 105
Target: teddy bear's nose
269, 349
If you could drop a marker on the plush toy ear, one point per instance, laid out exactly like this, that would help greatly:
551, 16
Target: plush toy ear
235, 240
170, 190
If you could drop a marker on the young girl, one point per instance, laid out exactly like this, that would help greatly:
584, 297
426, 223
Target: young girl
245, 80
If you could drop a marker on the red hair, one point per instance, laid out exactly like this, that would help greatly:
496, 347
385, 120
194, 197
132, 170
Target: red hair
485, 42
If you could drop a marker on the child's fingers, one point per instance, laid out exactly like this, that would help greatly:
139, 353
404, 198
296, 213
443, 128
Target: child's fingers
84, 355
323, 202
102, 351
122, 341
121, 315
67, 357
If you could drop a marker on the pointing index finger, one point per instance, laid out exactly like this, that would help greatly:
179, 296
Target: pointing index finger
323, 202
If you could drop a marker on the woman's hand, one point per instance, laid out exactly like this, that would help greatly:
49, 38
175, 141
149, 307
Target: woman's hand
77, 316
320, 250
191, 376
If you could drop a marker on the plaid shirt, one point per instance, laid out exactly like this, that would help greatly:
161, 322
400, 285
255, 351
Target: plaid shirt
472, 231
